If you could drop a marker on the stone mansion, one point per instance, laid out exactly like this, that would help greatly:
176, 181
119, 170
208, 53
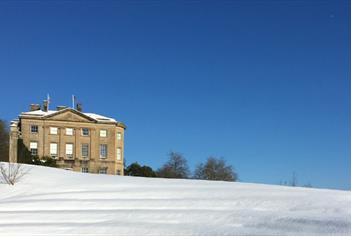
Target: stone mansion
84, 142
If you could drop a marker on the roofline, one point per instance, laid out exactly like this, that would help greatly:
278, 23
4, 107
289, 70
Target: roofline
72, 110
42, 117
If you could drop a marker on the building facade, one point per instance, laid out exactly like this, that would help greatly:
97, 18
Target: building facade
84, 142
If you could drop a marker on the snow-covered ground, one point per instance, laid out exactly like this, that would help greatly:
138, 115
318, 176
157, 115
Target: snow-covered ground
52, 201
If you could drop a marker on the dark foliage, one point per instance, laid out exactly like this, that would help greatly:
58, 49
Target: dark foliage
135, 169
215, 169
44, 161
4, 141
175, 167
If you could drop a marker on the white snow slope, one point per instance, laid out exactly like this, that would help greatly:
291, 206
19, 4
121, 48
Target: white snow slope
52, 201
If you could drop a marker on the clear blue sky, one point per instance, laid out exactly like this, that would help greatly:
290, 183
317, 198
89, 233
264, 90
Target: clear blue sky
264, 84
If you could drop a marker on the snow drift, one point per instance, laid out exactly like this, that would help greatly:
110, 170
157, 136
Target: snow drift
52, 201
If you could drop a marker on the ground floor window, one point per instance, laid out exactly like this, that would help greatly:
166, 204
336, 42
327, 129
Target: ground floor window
119, 154
85, 150
53, 150
69, 150
85, 170
118, 172
103, 171
33, 146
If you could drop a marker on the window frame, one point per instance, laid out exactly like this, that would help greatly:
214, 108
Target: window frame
53, 128
101, 136
85, 170
119, 154
32, 149
69, 155
69, 134
119, 136
103, 171
101, 151
54, 155
82, 132
87, 150
36, 130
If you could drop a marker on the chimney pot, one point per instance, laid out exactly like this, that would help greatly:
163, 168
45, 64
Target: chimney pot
79, 107
34, 107
45, 105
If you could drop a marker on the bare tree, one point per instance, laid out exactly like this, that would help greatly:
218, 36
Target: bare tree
175, 167
293, 181
12, 173
215, 169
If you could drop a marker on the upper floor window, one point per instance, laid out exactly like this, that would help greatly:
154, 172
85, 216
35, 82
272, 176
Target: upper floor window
34, 128
119, 154
53, 150
69, 150
53, 130
103, 150
85, 150
85, 131
119, 136
33, 146
69, 131
103, 133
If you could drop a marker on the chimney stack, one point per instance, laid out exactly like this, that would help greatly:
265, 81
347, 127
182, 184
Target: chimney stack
45, 105
34, 107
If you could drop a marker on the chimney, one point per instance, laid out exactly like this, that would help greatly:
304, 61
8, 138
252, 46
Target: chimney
59, 108
79, 107
45, 105
34, 107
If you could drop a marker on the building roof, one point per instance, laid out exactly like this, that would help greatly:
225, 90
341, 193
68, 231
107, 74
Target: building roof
93, 116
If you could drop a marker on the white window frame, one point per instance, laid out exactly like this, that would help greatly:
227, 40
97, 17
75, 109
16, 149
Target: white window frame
103, 133
53, 130
33, 146
69, 131
119, 154
69, 151
53, 150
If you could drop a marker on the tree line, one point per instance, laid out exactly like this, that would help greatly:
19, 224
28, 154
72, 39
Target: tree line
177, 167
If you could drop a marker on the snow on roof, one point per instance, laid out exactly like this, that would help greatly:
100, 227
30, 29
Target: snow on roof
38, 113
99, 117
94, 116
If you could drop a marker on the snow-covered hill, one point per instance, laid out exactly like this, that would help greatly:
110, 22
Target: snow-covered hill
58, 202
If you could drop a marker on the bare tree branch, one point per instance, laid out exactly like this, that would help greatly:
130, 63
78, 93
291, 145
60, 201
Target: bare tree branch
12, 173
